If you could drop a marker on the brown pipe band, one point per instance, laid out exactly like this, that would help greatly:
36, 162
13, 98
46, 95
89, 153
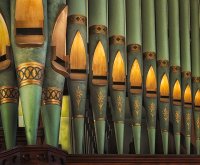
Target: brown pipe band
77, 19
9, 94
98, 29
149, 55
117, 40
135, 48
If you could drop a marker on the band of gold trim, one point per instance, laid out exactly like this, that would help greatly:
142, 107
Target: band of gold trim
175, 69
196, 79
28, 77
163, 63
49, 96
9, 97
77, 19
135, 48
117, 40
79, 116
122, 122
98, 29
186, 74
149, 55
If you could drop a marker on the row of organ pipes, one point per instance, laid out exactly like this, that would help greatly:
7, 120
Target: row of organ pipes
144, 52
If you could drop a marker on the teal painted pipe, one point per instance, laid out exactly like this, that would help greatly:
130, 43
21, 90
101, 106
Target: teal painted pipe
186, 66
78, 74
175, 72
149, 56
134, 37
30, 56
8, 83
54, 81
98, 76
195, 41
117, 68
163, 69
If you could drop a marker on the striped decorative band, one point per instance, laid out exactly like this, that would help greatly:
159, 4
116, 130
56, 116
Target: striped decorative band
77, 19
30, 73
175, 69
135, 48
149, 55
117, 40
52, 95
8, 94
163, 63
98, 29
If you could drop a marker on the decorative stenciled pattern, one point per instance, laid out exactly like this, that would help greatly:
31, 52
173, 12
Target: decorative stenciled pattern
117, 40
77, 19
196, 79
30, 73
119, 103
163, 63
149, 55
186, 75
135, 48
136, 106
152, 109
198, 122
188, 119
101, 99
8, 94
52, 95
175, 69
98, 29
165, 113
78, 96
177, 117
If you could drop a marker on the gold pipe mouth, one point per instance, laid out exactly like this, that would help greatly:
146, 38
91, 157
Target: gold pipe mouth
30, 73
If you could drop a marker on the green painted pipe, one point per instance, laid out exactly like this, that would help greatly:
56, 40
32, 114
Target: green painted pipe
134, 37
176, 105
174, 38
194, 8
174, 52
117, 86
77, 21
54, 82
29, 56
149, 49
163, 68
98, 87
185, 35
8, 89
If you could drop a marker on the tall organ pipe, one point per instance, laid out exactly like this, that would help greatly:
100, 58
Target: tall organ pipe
134, 67
54, 78
186, 69
98, 77
175, 70
8, 81
29, 43
194, 8
78, 67
163, 69
117, 68
149, 60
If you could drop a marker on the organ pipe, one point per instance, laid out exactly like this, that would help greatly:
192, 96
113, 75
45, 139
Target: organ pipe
150, 71
117, 68
98, 78
134, 67
8, 82
78, 67
29, 43
194, 8
163, 69
54, 82
175, 70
